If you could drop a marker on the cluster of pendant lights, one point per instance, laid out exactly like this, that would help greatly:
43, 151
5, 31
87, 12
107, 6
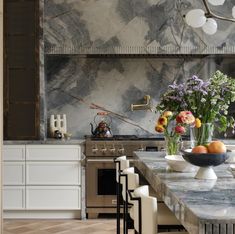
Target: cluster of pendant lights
198, 18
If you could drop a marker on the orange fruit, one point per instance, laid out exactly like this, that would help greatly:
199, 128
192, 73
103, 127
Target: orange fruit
200, 149
216, 147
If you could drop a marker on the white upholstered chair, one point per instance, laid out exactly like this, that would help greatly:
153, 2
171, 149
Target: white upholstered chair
144, 212
121, 164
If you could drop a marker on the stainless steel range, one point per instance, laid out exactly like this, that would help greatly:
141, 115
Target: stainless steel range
100, 168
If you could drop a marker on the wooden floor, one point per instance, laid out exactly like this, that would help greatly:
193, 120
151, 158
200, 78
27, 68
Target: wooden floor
91, 226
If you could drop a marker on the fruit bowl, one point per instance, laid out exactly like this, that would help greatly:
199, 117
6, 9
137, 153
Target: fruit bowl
177, 163
205, 161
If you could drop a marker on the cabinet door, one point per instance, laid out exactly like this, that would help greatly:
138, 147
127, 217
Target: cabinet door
21, 70
14, 173
14, 197
53, 152
53, 173
13, 152
53, 198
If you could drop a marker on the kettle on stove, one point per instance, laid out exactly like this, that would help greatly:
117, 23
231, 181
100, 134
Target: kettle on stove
102, 121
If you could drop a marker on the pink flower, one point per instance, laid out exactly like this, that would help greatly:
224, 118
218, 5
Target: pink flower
180, 129
185, 117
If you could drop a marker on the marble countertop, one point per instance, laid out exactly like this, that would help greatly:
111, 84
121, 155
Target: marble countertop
201, 206
46, 141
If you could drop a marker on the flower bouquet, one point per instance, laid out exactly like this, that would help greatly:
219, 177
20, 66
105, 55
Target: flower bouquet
173, 126
207, 100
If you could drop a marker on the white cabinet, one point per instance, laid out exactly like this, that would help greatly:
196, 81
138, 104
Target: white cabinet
53, 197
42, 177
14, 173
14, 153
14, 198
53, 173
53, 152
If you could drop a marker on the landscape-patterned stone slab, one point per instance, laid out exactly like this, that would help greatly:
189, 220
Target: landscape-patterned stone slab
80, 87
131, 27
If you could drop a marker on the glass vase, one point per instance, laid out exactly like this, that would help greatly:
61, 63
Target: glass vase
173, 144
202, 135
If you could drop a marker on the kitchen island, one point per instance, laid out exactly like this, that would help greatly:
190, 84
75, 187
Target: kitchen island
202, 206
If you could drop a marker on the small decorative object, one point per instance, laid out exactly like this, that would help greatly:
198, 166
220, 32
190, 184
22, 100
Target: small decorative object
173, 126
59, 123
198, 18
207, 100
67, 135
177, 163
205, 161
102, 129
57, 134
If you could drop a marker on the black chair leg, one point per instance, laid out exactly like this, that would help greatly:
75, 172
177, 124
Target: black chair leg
118, 208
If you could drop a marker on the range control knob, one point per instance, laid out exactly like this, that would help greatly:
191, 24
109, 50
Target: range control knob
141, 148
121, 150
103, 150
94, 149
112, 149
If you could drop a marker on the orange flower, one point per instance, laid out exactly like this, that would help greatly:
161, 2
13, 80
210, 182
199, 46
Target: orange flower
167, 114
162, 121
159, 128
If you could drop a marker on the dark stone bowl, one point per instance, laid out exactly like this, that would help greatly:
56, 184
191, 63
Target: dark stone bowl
205, 160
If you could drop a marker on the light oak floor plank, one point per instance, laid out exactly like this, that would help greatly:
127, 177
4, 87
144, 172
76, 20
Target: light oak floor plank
90, 226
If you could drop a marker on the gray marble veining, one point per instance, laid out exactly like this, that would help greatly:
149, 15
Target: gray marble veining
202, 206
131, 27
80, 87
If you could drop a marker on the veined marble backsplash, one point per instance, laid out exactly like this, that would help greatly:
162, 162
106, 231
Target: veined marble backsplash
80, 87
131, 26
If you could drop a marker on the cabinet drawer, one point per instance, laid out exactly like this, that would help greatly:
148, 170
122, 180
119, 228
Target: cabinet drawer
14, 197
14, 173
53, 173
53, 198
13, 152
53, 152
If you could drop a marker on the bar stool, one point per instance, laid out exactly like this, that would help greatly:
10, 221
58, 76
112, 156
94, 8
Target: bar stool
144, 212
121, 164
129, 181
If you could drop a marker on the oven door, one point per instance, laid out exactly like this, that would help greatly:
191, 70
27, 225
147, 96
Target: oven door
100, 183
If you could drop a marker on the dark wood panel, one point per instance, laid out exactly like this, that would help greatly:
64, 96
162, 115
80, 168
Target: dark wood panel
20, 17
21, 121
22, 85
20, 51
21, 69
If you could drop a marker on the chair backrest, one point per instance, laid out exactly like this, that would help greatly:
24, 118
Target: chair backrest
132, 181
146, 206
121, 164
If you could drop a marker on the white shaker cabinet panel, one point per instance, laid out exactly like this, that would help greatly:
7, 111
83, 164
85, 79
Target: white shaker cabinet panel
53, 173
53, 152
53, 198
14, 197
14, 173
13, 152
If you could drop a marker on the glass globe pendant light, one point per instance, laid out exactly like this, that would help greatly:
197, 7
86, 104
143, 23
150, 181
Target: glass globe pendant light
197, 18
216, 2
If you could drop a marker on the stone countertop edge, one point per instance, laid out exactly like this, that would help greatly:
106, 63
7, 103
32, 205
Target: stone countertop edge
46, 142
194, 221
